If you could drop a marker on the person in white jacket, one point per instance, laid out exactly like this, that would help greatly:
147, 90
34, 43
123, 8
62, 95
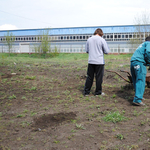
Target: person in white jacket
96, 47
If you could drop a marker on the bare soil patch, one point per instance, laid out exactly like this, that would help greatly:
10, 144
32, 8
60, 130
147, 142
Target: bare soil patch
42, 107
50, 120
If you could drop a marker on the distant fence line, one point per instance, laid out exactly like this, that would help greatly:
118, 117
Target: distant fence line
27, 48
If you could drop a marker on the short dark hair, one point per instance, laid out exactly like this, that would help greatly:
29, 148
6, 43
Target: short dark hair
147, 38
99, 32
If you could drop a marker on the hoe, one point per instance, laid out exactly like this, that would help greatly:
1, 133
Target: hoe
129, 80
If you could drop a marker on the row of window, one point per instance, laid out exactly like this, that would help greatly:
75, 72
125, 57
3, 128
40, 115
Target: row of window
108, 37
75, 50
50, 38
123, 36
122, 50
112, 50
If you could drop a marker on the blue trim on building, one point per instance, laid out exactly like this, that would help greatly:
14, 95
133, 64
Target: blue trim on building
72, 30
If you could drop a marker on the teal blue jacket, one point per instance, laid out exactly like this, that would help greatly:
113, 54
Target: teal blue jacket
142, 54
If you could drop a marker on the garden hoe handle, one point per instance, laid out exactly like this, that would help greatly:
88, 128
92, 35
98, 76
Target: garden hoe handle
126, 72
119, 75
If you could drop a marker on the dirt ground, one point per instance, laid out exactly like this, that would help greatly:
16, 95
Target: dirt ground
42, 108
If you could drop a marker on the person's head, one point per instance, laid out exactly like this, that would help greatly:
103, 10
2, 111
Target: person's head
147, 38
99, 32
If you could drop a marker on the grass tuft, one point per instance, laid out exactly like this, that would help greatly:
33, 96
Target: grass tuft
114, 117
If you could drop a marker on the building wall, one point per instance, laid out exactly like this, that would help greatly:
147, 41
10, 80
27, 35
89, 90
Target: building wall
71, 40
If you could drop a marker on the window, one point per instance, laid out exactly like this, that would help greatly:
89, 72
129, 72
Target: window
115, 36
126, 36
134, 36
123, 36
83, 37
107, 36
74, 37
111, 36
130, 36
71, 37
61, 37
122, 50
119, 36
80, 37
115, 50
67, 37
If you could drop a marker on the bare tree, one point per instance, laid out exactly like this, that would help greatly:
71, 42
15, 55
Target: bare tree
9, 40
44, 45
142, 29
45, 42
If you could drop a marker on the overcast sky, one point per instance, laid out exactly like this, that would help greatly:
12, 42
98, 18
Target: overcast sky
30, 14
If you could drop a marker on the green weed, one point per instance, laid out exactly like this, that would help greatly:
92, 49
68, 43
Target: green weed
12, 97
33, 88
79, 126
30, 77
119, 136
20, 115
114, 117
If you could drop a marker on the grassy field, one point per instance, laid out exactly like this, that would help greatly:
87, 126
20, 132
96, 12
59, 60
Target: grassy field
42, 106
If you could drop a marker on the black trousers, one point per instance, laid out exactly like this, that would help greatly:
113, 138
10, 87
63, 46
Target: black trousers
98, 71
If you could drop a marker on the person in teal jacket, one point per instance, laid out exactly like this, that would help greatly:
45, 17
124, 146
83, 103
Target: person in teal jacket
139, 60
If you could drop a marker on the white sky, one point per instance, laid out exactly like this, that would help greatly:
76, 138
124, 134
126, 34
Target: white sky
30, 14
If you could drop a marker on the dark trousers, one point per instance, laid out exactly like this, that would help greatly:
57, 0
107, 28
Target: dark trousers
98, 70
